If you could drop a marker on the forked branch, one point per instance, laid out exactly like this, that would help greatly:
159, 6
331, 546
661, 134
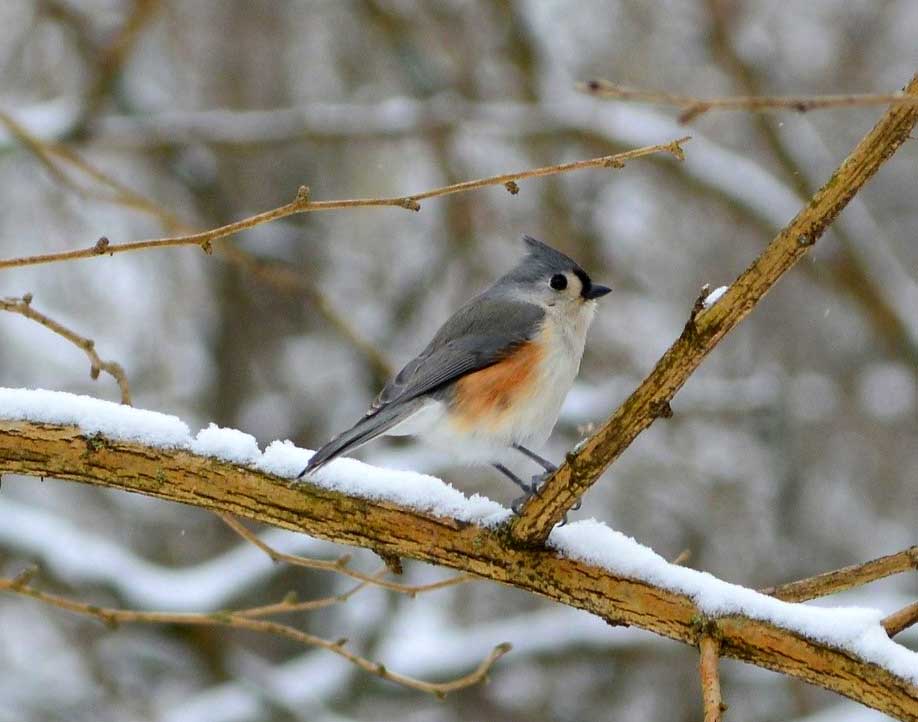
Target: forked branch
23, 307
252, 619
708, 326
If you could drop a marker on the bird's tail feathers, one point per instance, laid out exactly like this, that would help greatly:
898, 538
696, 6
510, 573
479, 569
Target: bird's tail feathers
365, 430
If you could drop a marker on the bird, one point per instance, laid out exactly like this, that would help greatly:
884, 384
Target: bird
494, 376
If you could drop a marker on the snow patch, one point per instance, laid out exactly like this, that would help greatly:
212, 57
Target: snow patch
854, 629
93, 416
231, 445
423, 493
714, 296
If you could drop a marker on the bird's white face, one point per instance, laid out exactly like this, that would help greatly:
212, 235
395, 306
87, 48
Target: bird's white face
565, 298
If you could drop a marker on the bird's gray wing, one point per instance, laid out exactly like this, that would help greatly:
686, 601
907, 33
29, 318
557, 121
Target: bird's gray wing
479, 335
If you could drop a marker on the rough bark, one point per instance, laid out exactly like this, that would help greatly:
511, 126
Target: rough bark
63, 452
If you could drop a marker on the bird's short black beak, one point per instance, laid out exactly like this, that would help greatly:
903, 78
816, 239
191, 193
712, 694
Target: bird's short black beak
594, 291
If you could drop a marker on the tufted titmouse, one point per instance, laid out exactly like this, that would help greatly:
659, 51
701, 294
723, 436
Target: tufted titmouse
495, 375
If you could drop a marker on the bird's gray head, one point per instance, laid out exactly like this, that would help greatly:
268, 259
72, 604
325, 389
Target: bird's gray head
549, 278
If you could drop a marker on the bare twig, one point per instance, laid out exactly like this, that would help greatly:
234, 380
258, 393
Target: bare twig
704, 331
23, 306
901, 620
246, 620
339, 565
692, 107
848, 577
709, 652
303, 204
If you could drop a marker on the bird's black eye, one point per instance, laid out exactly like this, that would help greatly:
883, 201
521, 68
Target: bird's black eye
558, 282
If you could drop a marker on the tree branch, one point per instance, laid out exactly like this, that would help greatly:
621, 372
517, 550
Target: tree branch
901, 620
708, 648
692, 107
250, 619
177, 475
303, 204
849, 577
23, 306
706, 328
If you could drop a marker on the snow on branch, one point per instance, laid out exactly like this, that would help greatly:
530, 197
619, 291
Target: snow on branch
708, 324
585, 564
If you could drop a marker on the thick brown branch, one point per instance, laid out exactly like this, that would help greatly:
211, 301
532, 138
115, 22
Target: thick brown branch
63, 452
692, 107
708, 648
856, 575
705, 330
23, 306
303, 204
249, 619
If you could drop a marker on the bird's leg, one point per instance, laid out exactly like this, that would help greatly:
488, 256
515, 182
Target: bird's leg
544, 463
528, 489
550, 469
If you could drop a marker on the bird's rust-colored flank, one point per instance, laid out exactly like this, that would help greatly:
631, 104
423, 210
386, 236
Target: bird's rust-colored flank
488, 397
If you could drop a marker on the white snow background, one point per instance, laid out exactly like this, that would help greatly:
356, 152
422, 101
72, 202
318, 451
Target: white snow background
854, 629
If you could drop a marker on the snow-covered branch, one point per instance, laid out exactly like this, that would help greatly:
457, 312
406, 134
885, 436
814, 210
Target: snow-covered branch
584, 565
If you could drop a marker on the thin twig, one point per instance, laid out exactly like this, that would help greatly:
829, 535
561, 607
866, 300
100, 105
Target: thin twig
651, 400
692, 107
303, 204
290, 604
901, 620
23, 306
339, 565
53, 156
236, 620
848, 577
709, 652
